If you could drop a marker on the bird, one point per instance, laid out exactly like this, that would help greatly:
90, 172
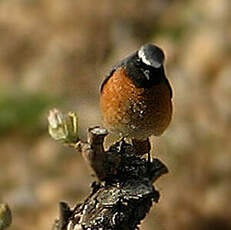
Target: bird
136, 96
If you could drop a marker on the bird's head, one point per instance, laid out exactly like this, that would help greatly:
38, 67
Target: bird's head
151, 55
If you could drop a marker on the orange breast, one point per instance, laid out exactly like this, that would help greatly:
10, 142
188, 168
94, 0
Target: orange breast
135, 112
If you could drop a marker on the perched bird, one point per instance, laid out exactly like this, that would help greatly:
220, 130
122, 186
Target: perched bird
136, 97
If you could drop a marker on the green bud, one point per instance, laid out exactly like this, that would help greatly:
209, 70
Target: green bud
63, 127
5, 216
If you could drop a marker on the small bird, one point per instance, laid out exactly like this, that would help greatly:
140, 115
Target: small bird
136, 96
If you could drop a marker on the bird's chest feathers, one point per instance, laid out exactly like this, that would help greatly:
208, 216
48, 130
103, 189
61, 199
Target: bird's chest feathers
135, 102
135, 111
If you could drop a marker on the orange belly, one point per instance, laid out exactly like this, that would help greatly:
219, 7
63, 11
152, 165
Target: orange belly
135, 112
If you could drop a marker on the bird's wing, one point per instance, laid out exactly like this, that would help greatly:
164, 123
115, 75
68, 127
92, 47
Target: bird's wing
169, 87
114, 68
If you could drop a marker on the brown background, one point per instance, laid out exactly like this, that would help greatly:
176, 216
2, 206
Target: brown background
55, 54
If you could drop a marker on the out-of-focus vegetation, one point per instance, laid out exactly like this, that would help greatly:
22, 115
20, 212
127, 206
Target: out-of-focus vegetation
21, 112
63, 49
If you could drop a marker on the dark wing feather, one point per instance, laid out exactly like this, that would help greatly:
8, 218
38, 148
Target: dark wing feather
169, 86
106, 79
114, 68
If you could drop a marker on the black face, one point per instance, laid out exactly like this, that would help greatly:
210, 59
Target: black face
142, 75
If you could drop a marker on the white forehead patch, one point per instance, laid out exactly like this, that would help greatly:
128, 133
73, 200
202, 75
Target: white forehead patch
141, 55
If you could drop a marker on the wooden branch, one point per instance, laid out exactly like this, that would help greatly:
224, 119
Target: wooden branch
124, 192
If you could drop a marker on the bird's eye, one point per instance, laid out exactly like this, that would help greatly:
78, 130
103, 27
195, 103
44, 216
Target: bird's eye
138, 62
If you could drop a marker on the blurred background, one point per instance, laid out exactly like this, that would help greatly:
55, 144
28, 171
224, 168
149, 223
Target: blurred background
56, 53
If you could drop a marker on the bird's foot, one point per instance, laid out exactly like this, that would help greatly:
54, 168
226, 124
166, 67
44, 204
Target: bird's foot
142, 147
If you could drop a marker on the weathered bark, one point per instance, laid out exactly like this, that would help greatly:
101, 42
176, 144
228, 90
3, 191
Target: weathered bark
124, 193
